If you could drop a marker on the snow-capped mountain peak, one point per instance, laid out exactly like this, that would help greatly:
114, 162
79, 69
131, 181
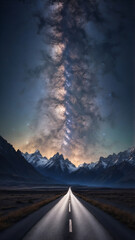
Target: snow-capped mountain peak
59, 162
35, 158
116, 159
37, 152
131, 150
83, 165
63, 170
87, 165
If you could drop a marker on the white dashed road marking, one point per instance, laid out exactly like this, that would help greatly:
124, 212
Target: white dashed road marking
69, 207
70, 225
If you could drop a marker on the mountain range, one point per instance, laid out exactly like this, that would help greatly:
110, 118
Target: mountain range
56, 167
116, 170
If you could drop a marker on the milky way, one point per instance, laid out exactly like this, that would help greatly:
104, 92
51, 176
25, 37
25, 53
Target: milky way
76, 97
72, 82
73, 64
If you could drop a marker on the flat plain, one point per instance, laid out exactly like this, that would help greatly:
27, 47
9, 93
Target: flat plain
17, 204
120, 203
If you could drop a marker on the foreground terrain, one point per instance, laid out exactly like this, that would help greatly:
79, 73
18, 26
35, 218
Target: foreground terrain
16, 204
69, 217
120, 203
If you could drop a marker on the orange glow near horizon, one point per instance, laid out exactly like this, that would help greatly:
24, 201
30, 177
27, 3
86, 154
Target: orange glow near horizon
75, 159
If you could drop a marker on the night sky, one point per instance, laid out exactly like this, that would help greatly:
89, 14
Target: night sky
67, 76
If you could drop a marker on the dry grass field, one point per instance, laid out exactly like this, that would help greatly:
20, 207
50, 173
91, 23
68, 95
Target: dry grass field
16, 204
120, 203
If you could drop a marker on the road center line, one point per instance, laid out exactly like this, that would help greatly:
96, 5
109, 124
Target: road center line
70, 225
69, 207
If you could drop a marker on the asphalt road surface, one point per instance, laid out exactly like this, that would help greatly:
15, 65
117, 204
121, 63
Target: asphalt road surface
68, 218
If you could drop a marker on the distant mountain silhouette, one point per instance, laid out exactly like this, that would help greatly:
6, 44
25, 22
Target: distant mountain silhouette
115, 170
56, 167
14, 169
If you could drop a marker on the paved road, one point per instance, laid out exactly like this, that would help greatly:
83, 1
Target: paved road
68, 218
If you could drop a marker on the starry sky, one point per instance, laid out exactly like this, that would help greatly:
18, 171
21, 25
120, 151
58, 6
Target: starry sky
67, 76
